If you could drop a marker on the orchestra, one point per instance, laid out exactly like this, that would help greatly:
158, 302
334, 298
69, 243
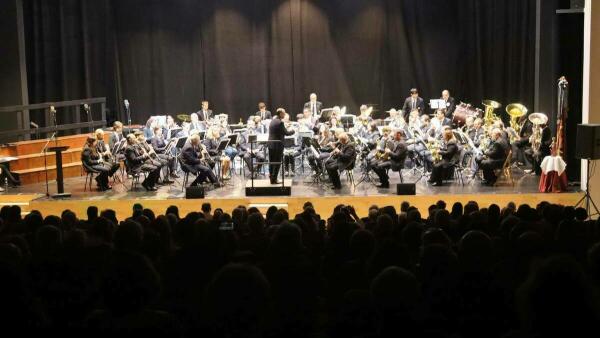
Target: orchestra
451, 135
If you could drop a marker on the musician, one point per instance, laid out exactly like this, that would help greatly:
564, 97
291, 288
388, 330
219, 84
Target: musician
498, 124
291, 152
477, 132
211, 143
263, 112
396, 120
379, 147
137, 161
521, 147
171, 129
204, 114
365, 115
196, 125
277, 132
117, 135
101, 147
450, 103
393, 157
440, 119
149, 128
334, 122
247, 152
313, 105
326, 145
308, 121
537, 156
413, 102
494, 157
157, 161
160, 148
92, 160
449, 155
260, 125
341, 158
193, 158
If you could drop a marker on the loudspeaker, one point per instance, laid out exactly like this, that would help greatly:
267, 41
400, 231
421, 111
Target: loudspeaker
406, 189
194, 192
588, 141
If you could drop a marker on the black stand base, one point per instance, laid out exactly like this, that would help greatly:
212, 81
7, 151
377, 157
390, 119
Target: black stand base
62, 195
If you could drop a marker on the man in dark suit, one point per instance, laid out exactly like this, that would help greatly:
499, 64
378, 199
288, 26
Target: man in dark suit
263, 112
413, 102
536, 157
194, 162
450, 103
116, 136
341, 158
449, 157
205, 114
277, 132
313, 105
440, 119
137, 161
395, 151
494, 157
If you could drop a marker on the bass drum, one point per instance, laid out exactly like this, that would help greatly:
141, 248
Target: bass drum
459, 118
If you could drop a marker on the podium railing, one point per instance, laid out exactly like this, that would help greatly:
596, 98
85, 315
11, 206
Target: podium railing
269, 162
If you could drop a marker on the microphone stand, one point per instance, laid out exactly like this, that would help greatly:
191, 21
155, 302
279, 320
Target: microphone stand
90, 119
128, 111
45, 152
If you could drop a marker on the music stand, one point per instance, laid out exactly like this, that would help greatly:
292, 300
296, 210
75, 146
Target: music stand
289, 142
437, 104
233, 138
347, 121
252, 138
181, 142
325, 115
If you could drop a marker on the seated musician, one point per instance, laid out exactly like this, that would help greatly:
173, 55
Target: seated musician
171, 129
146, 147
211, 142
335, 123
396, 120
392, 157
414, 119
160, 148
93, 161
365, 115
102, 147
522, 145
543, 148
342, 157
263, 112
379, 147
449, 156
116, 136
292, 152
477, 132
326, 144
193, 158
138, 161
494, 157
149, 128
204, 114
440, 119
195, 125
248, 152
307, 121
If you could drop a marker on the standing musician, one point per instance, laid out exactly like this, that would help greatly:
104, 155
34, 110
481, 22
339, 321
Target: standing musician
255, 151
450, 103
263, 112
137, 161
93, 161
313, 105
211, 143
449, 157
494, 157
291, 153
342, 157
193, 158
204, 114
413, 102
277, 132
160, 148
393, 157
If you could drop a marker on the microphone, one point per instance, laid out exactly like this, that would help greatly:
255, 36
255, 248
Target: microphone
126, 102
86, 107
33, 124
52, 110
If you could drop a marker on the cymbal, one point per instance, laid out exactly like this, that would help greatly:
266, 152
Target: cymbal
183, 117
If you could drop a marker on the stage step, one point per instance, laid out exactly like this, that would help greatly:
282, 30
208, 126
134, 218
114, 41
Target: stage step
38, 174
37, 160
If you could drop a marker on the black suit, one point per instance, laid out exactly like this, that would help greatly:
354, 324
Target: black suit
316, 109
114, 139
450, 107
277, 132
341, 161
204, 115
440, 169
136, 163
396, 160
266, 115
160, 147
192, 162
496, 155
92, 163
409, 106
536, 158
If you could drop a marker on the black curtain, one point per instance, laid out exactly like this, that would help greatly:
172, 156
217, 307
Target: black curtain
167, 56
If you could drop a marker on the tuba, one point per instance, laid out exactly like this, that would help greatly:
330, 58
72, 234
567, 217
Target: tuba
489, 117
516, 111
538, 120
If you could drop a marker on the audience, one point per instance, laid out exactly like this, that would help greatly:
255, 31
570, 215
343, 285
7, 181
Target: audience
517, 271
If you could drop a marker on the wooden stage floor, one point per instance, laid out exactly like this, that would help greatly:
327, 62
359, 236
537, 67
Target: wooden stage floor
121, 199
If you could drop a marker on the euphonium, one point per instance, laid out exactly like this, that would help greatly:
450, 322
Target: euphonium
489, 117
538, 120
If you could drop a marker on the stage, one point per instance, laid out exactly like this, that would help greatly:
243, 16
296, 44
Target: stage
365, 194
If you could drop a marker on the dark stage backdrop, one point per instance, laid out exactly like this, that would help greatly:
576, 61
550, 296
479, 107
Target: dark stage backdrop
166, 56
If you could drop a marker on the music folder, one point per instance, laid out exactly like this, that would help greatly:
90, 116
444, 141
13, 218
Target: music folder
437, 104
222, 145
181, 142
233, 138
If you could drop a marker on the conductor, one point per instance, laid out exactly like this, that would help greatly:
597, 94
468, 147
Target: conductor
277, 134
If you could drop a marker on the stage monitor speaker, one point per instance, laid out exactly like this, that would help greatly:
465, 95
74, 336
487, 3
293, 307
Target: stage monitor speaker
588, 141
194, 192
406, 189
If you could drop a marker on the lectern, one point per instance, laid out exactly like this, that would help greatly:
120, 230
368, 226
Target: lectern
59, 172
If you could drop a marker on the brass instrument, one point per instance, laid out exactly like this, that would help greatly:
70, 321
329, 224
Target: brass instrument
515, 111
381, 154
434, 148
489, 117
538, 120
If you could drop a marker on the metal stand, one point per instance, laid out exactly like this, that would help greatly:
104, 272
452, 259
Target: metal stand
586, 201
